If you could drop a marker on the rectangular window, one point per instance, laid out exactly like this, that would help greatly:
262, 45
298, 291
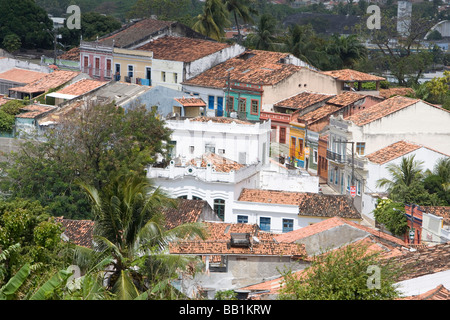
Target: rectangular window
360, 148
254, 107
336, 176
230, 106
210, 148
191, 149
358, 187
242, 219
97, 67
219, 106
314, 156
264, 224
219, 208
130, 71
108, 67
175, 77
242, 105
211, 102
163, 76
288, 225
282, 135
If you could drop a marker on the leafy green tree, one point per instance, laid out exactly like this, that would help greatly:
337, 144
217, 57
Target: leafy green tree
392, 215
29, 235
11, 42
213, 20
342, 274
93, 25
130, 235
27, 21
91, 145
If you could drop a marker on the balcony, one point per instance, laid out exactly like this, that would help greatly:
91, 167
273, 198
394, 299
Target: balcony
336, 157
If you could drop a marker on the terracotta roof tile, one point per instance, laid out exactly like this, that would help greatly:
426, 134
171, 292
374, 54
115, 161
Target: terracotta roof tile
218, 242
81, 87
73, 54
310, 204
21, 75
219, 163
33, 111
346, 98
382, 109
302, 100
252, 66
79, 232
181, 48
220, 120
49, 81
352, 75
393, 151
191, 102
423, 261
134, 32
187, 211
440, 211
438, 293
319, 113
388, 93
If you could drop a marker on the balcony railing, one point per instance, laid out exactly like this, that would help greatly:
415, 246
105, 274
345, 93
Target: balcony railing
336, 157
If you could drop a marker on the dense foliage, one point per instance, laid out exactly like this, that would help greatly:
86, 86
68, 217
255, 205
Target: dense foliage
343, 274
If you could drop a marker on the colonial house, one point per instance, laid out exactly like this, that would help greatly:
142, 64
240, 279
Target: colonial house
285, 211
17, 77
96, 57
255, 80
349, 79
377, 127
54, 80
177, 59
236, 255
378, 162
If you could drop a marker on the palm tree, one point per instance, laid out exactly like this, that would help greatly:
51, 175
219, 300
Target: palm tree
264, 37
405, 175
213, 20
130, 238
442, 170
347, 50
302, 42
240, 9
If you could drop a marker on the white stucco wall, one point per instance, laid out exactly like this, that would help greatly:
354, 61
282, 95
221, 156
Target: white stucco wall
419, 123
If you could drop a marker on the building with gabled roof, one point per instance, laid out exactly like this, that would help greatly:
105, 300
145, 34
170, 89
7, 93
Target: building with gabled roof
50, 81
255, 80
236, 255
353, 79
17, 77
284, 211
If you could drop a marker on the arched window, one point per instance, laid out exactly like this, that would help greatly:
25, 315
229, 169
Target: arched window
219, 208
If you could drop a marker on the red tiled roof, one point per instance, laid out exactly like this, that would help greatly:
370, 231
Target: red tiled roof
438, 293
352, 75
423, 261
33, 110
21, 75
191, 102
309, 204
319, 113
181, 48
133, 32
302, 100
393, 151
49, 81
388, 93
218, 242
187, 211
252, 66
82, 86
219, 163
329, 224
440, 211
220, 120
79, 232
382, 109
346, 98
